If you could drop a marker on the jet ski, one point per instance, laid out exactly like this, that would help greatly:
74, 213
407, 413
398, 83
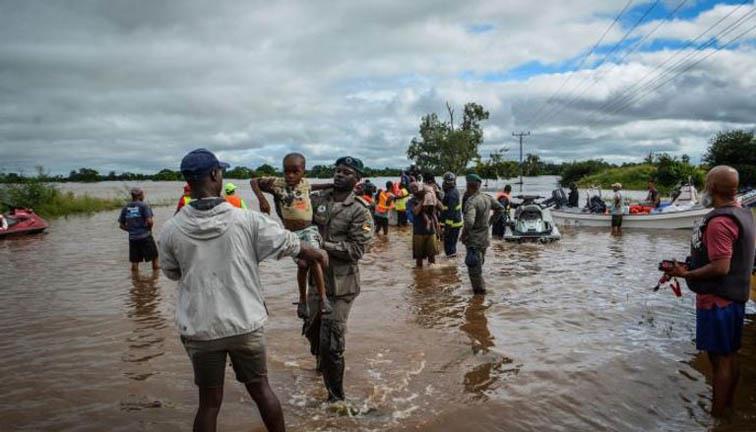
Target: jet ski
532, 222
21, 221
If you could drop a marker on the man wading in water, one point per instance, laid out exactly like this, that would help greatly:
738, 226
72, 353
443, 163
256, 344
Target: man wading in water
722, 252
346, 225
213, 249
476, 212
136, 218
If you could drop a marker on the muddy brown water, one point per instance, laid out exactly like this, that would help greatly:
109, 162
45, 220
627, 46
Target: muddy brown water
570, 337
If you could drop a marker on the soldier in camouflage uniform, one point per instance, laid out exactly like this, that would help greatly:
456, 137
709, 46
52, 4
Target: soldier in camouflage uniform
476, 212
346, 226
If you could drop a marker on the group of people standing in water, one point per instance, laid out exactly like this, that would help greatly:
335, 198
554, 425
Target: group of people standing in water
213, 245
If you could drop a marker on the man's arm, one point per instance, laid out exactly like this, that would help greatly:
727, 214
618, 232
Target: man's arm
122, 221
359, 238
468, 218
320, 186
714, 269
168, 263
258, 187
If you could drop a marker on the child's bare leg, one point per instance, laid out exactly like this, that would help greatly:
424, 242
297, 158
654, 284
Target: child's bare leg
302, 281
325, 305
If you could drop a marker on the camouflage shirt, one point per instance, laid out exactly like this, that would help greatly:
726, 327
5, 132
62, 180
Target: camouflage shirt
347, 231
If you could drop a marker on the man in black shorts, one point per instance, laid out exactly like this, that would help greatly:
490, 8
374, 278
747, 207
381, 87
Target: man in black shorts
136, 218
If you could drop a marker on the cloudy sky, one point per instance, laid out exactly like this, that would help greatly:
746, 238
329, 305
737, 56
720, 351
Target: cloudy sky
130, 85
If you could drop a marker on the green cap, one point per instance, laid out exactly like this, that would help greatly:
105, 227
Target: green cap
351, 162
472, 177
229, 188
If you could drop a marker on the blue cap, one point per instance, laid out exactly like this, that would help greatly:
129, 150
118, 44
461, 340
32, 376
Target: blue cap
198, 163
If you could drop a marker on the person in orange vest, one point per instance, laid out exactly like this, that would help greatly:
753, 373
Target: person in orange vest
185, 199
384, 202
232, 198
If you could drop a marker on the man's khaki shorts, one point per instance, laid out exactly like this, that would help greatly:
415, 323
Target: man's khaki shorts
247, 352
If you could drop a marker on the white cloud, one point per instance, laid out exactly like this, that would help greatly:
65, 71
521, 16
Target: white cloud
134, 86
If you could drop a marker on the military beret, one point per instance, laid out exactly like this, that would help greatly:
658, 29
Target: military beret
351, 162
472, 177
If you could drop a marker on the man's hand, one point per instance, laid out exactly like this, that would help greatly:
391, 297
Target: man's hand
265, 207
313, 255
678, 270
302, 310
325, 306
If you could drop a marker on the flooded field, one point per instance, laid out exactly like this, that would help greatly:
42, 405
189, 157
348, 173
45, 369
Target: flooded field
570, 337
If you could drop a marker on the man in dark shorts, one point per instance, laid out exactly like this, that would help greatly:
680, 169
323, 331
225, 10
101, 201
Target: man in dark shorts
617, 209
722, 254
213, 249
136, 218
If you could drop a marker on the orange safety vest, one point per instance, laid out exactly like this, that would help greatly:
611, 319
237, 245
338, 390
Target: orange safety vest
368, 199
383, 206
235, 201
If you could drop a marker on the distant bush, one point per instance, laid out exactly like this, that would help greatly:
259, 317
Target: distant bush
49, 201
573, 171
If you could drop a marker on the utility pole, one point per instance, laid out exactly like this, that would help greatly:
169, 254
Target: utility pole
520, 135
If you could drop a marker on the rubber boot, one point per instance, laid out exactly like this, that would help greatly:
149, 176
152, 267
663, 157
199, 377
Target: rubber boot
333, 377
478, 284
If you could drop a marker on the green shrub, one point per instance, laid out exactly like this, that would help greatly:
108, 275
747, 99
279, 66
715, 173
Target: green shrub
49, 201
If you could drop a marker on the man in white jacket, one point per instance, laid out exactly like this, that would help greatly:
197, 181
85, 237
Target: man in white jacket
213, 250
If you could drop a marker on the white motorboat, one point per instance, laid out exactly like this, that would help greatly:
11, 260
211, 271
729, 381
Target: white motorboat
682, 213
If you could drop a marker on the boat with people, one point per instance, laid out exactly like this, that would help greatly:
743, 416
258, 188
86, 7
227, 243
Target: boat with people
21, 222
683, 212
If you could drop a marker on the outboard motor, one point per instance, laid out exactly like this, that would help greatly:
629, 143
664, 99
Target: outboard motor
558, 199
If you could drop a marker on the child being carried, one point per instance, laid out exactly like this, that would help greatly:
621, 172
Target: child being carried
292, 200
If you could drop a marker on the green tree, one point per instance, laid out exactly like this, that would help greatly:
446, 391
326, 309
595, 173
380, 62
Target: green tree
532, 165
265, 170
442, 147
239, 172
84, 175
736, 148
573, 171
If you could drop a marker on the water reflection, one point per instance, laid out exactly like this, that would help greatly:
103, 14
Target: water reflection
433, 297
145, 341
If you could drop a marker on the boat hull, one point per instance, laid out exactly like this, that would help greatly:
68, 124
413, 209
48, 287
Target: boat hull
672, 220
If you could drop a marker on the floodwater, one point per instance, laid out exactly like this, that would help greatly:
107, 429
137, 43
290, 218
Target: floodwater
570, 337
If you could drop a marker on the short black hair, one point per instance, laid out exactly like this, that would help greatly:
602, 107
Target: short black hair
508, 188
296, 155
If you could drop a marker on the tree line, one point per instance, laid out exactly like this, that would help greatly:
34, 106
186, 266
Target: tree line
89, 175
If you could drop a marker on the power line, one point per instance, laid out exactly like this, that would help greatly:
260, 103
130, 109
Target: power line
640, 85
585, 57
520, 135
559, 108
687, 67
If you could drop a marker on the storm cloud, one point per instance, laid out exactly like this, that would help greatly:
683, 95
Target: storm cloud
129, 85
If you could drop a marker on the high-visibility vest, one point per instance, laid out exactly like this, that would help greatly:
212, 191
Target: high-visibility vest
236, 201
383, 206
401, 200
452, 223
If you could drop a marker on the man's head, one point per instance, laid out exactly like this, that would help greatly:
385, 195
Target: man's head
428, 178
229, 188
416, 189
616, 186
294, 165
389, 186
347, 174
651, 184
508, 188
722, 184
203, 172
473, 183
137, 194
573, 186
450, 181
